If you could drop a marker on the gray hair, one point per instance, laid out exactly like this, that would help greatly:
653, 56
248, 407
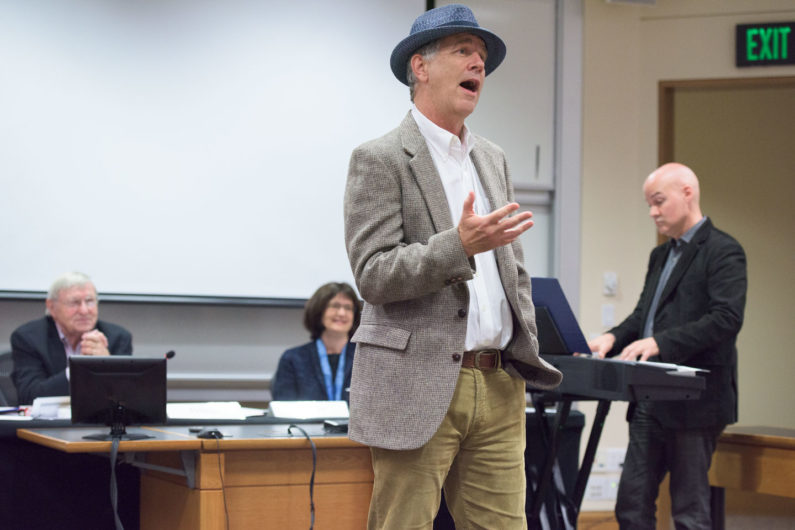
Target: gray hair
426, 52
66, 281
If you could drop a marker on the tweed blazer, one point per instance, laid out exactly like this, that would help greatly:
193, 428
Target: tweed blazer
40, 358
411, 270
698, 317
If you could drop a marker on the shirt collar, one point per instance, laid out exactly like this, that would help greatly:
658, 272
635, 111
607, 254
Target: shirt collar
67, 346
688, 236
60, 332
445, 143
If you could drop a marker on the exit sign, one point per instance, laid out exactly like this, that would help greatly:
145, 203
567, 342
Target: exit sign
765, 44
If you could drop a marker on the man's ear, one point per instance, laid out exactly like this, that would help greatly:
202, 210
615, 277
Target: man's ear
420, 67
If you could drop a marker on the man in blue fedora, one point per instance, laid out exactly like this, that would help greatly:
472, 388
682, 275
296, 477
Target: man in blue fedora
447, 338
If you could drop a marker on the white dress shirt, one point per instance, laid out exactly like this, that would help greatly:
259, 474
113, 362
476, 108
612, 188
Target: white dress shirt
67, 348
489, 322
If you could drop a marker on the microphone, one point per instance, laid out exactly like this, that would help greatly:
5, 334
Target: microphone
170, 354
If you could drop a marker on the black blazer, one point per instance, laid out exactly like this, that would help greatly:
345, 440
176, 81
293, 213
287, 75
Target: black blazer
40, 358
698, 317
300, 378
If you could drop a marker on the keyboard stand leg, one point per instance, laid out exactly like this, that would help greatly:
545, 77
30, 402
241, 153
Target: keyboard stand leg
590, 451
551, 470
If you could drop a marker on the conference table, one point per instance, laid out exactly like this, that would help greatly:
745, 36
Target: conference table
179, 480
257, 475
754, 459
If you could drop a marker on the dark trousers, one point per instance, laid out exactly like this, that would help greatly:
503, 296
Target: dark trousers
654, 450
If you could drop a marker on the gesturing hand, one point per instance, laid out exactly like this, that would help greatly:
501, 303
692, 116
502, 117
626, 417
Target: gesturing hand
483, 233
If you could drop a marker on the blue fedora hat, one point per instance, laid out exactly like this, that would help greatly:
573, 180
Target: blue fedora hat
438, 23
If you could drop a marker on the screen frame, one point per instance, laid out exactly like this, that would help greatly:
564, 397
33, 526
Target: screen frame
118, 391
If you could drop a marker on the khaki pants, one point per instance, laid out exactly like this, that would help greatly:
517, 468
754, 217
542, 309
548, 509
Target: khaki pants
477, 454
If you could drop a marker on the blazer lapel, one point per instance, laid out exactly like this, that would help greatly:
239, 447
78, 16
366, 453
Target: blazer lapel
486, 173
424, 170
654, 278
688, 254
317, 370
55, 353
495, 194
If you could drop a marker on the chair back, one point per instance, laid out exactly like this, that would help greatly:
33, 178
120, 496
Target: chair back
8, 392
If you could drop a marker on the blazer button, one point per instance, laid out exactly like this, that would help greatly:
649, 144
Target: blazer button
456, 357
462, 313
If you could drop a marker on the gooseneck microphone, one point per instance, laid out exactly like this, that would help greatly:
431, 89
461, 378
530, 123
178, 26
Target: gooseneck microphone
170, 354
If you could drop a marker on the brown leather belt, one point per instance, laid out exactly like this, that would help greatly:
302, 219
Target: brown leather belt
481, 359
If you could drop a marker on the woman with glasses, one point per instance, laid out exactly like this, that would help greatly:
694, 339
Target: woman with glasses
320, 370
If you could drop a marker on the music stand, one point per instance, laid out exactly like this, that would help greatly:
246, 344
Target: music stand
558, 330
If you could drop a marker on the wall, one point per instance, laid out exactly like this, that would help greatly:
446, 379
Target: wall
628, 49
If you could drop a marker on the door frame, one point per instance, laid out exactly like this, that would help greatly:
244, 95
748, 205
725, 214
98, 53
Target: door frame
666, 91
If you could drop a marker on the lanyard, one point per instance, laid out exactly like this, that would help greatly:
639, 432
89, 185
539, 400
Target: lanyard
333, 389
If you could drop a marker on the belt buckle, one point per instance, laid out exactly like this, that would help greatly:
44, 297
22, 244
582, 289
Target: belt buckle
489, 352
477, 359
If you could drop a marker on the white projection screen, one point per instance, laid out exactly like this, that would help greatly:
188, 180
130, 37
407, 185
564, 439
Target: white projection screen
188, 147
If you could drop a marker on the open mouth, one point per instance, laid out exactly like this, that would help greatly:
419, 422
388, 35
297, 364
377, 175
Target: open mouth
470, 85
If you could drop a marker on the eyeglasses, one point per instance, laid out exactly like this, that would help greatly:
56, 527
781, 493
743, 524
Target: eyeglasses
75, 303
336, 306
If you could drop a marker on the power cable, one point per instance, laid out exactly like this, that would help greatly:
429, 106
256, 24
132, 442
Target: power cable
312, 478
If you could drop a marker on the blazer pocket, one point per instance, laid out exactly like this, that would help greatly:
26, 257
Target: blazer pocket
385, 336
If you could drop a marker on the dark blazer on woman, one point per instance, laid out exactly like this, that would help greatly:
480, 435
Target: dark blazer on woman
698, 317
300, 378
40, 358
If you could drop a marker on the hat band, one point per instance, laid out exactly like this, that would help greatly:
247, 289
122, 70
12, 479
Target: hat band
460, 23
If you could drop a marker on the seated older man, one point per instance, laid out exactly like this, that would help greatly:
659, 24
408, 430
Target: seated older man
70, 327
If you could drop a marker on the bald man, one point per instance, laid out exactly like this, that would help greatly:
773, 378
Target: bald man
690, 312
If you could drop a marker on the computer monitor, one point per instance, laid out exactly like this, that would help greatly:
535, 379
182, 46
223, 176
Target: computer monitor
558, 330
117, 391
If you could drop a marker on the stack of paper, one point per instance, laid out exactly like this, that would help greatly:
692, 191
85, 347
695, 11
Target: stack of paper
212, 410
51, 408
308, 410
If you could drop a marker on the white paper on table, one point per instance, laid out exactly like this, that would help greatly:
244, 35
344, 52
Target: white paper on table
211, 410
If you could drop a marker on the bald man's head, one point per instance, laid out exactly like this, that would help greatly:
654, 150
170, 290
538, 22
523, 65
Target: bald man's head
672, 193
